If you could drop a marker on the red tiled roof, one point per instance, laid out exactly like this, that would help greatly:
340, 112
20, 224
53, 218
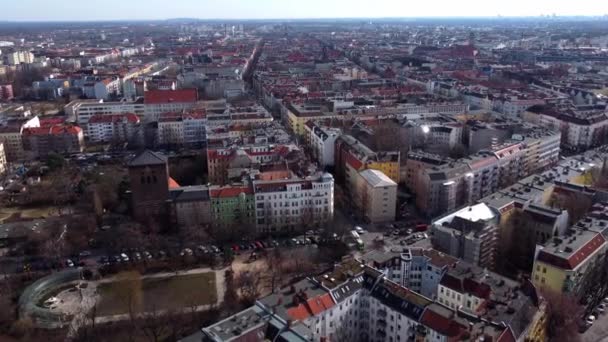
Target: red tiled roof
47, 122
168, 96
98, 118
173, 184
52, 130
443, 325
353, 161
577, 257
229, 192
320, 304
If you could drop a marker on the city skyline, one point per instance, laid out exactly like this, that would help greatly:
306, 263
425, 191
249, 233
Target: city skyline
37, 10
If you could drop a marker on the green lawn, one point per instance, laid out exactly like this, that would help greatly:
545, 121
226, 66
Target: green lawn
150, 294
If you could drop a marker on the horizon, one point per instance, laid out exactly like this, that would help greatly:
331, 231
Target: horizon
156, 10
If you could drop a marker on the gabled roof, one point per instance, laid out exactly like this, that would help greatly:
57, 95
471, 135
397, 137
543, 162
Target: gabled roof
170, 96
147, 158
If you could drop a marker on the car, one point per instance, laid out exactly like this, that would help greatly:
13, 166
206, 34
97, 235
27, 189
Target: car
147, 255
259, 245
359, 230
186, 251
243, 247
601, 308
202, 249
137, 256
307, 241
124, 257
69, 263
102, 260
84, 254
590, 319
117, 259
162, 255
605, 301
215, 249
395, 232
235, 248
409, 231
275, 243
310, 232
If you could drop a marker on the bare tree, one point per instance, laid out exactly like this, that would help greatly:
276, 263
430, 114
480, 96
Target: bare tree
563, 317
248, 284
274, 260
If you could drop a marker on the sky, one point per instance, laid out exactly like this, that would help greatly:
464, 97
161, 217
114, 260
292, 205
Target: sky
82, 10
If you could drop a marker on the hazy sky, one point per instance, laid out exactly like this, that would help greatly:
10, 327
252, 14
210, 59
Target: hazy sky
261, 9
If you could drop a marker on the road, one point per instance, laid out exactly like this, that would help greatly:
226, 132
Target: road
598, 332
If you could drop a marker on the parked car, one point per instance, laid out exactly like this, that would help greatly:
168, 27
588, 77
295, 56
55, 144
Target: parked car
84, 254
124, 257
601, 308
137, 256
359, 230
589, 320
186, 251
147, 255
69, 263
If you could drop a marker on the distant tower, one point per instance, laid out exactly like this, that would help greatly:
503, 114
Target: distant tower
149, 176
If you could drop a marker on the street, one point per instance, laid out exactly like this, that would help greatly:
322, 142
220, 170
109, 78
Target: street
598, 332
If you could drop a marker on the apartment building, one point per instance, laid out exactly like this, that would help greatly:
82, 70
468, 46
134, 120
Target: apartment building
376, 196
186, 128
353, 302
352, 155
3, 162
442, 184
114, 128
562, 264
11, 135
322, 142
39, 142
158, 102
82, 110
469, 234
19, 57
232, 206
6, 92
190, 206
582, 127
293, 204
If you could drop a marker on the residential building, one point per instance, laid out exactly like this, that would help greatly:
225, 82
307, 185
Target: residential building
352, 302
376, 196
322, 142
82, 110
11, 135
191, 206
352, 155
39, 142
3, 162
114, 128
6, 92
232, 206
186, 128
19, 57
158, 102
469, 234
292, 204
582, 127
563, 263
